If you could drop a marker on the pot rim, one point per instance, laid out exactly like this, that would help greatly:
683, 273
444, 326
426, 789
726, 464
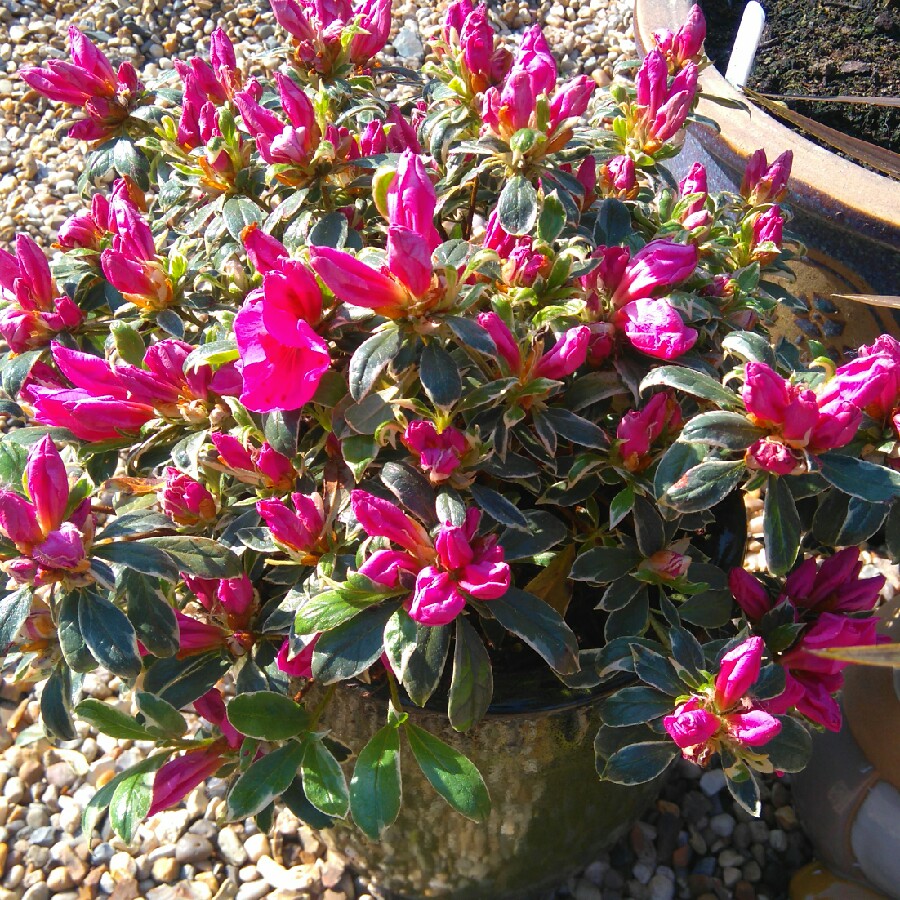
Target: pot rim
839, 191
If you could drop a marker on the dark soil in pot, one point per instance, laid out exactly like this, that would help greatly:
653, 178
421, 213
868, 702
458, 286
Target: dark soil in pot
823, 48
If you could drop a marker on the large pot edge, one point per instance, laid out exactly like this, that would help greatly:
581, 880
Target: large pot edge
827, 186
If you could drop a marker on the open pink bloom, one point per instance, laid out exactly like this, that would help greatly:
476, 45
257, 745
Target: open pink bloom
299, 529
184, 500
439, 452
32, 310
566, 355
51, 544
871, 381
738, 670
835, 586
686, 44
175, 779
639, 428
764, 183
829, 631
654, 327
299, 666
691, 725
662, 108
696, 215
282, 359
90, 83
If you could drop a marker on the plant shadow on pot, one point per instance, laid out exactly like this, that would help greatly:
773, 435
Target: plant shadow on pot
550, 814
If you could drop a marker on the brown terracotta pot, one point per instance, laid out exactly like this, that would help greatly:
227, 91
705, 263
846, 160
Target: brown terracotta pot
848, 217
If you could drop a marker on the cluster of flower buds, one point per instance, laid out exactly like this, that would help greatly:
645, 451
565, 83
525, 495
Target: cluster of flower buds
685, 45
469, 36
827, 601
618, 178
620, 292
528, 99
184, 500
440, 574
764, 183
693, 185
405, 287
440, 452
393, 135
261, 466
567, 354
90, 83
231, 600
106, 402
798, 419
725, 716
329, 35
33, 311
95, 228
639, 429
282, 358
660, 108
49, 537
520, 263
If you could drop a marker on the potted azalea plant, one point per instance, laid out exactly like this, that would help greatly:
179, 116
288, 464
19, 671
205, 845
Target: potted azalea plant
387, 453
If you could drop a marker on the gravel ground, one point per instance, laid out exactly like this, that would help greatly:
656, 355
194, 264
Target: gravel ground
693, 843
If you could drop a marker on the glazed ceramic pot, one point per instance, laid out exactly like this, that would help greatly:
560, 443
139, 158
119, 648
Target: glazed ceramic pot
848, 797
848, 216
550, 812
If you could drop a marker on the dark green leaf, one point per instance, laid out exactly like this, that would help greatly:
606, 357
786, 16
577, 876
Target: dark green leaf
544, 532
371, 358
648, 527
182, 681
692, 382
613, 223
295, 799
892, 533
552, 219
540, 626
153, 619
411, 488
677, 460
711, 609
859, 478
750, 347
104, 795
498, 507
603, 564
350, 648
323, 780
634, 705
131, 803
744, 788
161, 715
267, 716
239, 212
135, 523
781, 526
453, 776
16, 370
282, 430
657, 671
199, 556
129, 161
630, 619
619, 593
639, 763
329, 231
704, 486
266, 779
472, 686
109, 720
375, 789
139, 556
471, 335
517, 206
440, 376
791, 748
56, 703
109, 636
14, 610
326, 611
686, 650
13, 459
575, 428
722, 429
424, 665
71, 641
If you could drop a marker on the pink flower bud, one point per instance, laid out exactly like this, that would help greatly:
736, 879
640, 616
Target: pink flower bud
516, 102
409, 259
587, 178
375, 19
354, 282
477, 42
18, 520
387, 567
750, 594
871, 381
671, 116
237, 599
771, 456
654, 327
667, 565
439, 452
659, 264
175, 779
767, 229
436, 599
687, 43
265, 252
535, 58
48, 484
639, 428
752, 728
837, 425
765, 394
695, 216
567, 355
455, 17
571, 101
379, 518
299, 529
184, 500
763, 183
80, 231
691, 725
411, 199
507, 346
618, 177
651, 81
299, 666
738, 671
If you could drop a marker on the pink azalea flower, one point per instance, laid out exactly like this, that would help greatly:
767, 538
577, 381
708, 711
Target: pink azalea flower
691, 725
439, 452
696, 215
639, 428
566, 355
655, 328
255, 464
752, 728
662, 108
738, 670
184, 500
618, 178
686, 44
282, 359
299, 529
299, 666
764, 183
871, 381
